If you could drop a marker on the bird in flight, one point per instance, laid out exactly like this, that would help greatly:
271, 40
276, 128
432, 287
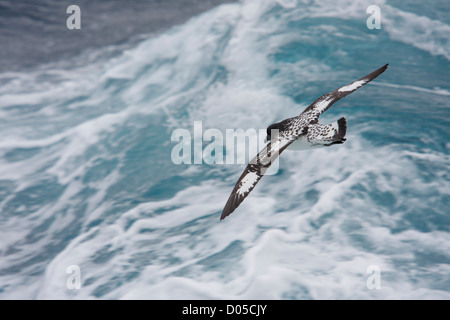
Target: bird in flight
298, 133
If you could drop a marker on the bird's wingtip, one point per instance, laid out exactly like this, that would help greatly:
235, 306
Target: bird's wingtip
223, 216
225, 213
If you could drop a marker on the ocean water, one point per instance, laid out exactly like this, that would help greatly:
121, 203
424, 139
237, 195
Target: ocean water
87, 179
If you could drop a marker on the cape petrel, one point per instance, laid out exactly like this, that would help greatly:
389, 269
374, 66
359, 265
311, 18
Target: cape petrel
298, 133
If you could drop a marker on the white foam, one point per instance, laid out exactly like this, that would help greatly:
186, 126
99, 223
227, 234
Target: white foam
309, 232
422, 32
437, 91
294, 258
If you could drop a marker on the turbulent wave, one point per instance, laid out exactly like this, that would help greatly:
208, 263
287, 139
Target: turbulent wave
86, 177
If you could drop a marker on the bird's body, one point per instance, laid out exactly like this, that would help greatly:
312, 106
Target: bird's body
317, 135
297, 133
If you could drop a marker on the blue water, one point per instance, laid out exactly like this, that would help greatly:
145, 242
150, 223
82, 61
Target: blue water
86, 176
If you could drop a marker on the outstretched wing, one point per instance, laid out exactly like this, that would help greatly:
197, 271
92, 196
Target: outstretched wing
254, 172
324, 102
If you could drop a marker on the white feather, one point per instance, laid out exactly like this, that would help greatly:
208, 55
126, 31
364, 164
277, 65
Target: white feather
247, 182
353, 86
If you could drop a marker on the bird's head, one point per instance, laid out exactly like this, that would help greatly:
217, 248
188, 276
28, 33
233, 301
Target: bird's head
273, 130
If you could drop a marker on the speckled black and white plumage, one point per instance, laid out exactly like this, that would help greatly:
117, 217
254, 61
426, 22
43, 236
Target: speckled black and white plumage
298, 133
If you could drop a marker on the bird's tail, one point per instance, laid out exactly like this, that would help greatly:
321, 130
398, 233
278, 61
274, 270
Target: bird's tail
341, 126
